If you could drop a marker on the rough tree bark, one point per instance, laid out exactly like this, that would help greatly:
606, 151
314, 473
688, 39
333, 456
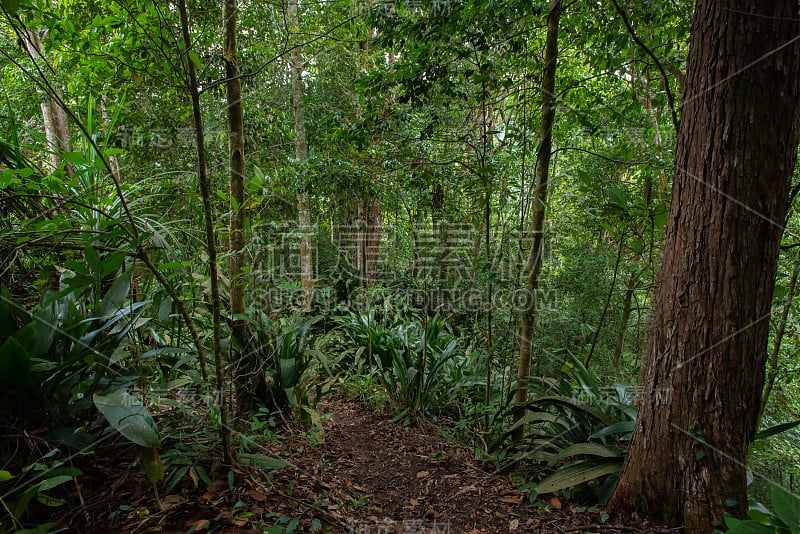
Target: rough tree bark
301, 154
233, 90
540, 197
369, 222
703, 370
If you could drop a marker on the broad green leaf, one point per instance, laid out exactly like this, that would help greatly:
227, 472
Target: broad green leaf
289, 372
12, 6
129, 417
737, 526
195, 59
164, 309
787, 507
536, 417
116, 295
660, 217
76, 158
570, 476
5, 475
112, 262
52, 482
618, 197
93, 259
47, 500
38, 335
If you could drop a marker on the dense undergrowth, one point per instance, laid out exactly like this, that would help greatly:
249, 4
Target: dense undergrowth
84, 367
107, 332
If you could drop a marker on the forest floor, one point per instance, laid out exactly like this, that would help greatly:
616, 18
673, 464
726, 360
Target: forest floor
370, 475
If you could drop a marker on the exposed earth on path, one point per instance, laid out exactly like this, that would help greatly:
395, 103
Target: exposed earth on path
370, 475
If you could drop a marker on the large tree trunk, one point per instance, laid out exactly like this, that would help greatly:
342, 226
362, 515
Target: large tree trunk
540, 198
703, 370
301, 154
233, 89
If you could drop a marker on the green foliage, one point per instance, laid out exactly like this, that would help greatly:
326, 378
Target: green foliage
785, 519
58, 356
285, 367
372, 341
185, 460
416, 362
577, 429
126, 414
33, 482
777, 429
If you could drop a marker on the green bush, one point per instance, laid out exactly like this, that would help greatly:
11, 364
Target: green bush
576, 429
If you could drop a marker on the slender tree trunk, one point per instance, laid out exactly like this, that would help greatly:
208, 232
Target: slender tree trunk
113, 162
369, 236
542, 173
301, 154
56, 126
623, 322
607, 305
776, 345
233, 90
211, 246
372, 241
703, 371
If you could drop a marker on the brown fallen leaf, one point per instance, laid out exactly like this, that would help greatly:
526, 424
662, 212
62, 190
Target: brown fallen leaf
510, 500
193, 476
171, 501
422, 474
555, 502
199, 525
240, 523
257, 496
513, 524
209, 495
413, 502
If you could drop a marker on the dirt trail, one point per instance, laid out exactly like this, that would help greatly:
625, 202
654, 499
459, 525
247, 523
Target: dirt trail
380, 477
409, 480
370, 475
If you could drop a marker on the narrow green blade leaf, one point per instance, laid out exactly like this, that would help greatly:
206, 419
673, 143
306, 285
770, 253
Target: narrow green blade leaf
568, 477
777, 429
587, 449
